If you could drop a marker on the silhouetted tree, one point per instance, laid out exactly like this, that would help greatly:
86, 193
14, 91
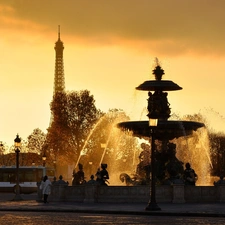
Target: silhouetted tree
3, 149
217, 150
36, 140
74, 114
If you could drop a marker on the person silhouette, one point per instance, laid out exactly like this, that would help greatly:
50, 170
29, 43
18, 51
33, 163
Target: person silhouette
190, 177
91, 181
46, 188
61, 181
78, 177
104, 175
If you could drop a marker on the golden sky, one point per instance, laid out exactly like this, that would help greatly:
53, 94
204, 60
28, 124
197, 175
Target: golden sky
110, 47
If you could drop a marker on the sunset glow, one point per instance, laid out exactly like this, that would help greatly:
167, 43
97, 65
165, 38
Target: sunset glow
110, 48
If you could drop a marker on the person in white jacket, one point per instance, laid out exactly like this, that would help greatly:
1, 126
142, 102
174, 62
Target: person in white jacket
46, 188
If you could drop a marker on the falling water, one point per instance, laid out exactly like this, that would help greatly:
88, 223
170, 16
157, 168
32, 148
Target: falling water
105, 147
184, 149
81, 153
143, 113
195, 150
83, 150
201, 157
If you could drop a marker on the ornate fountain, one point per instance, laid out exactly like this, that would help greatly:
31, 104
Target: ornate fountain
162, 139
165, 131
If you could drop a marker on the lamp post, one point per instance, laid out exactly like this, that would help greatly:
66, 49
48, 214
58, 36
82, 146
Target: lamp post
44, 159
17, 144
152, 205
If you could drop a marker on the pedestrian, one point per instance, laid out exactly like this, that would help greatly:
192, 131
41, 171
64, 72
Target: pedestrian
46, 188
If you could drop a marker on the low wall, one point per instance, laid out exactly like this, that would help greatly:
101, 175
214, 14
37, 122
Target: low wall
138, 194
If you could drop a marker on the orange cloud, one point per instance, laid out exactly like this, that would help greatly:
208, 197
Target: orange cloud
171, 27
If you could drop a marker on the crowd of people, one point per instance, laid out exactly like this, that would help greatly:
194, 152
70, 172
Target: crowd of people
102, 176
46, 185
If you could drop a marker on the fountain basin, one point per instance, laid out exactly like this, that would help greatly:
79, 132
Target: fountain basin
138, 194
168, 129
162, 85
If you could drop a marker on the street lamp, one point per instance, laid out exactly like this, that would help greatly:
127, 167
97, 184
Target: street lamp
44, 159
152, 205
17, 144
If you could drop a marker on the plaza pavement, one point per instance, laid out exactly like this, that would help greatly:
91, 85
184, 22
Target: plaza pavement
167, 209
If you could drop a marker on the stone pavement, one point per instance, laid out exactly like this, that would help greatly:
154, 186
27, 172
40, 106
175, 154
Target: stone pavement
167, 209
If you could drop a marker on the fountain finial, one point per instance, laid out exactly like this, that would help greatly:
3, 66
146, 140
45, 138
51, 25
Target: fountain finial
158, 71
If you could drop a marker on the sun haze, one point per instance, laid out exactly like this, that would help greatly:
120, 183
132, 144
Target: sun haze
110, 47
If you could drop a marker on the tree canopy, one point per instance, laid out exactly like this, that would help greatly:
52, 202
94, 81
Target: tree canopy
73, 116
36, 140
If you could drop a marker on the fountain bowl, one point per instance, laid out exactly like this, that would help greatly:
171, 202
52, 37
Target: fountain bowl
166, 129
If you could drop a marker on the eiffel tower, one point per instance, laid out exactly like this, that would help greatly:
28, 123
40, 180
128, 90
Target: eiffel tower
59, 79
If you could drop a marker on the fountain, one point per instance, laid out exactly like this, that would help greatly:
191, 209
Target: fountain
165, 137
166, 130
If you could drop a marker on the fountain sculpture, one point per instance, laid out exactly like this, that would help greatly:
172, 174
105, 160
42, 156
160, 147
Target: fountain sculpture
168, 167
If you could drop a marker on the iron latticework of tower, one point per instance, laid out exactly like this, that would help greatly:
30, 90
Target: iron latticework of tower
59, 81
